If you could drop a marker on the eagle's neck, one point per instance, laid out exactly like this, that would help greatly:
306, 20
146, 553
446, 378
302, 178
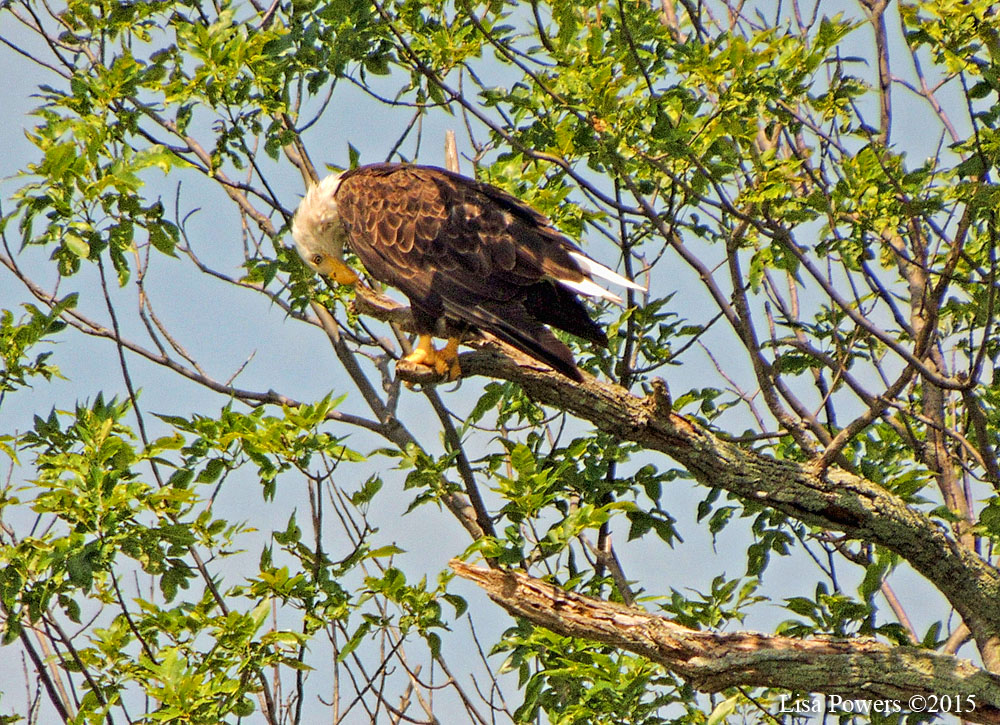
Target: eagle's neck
317, 221
319, 207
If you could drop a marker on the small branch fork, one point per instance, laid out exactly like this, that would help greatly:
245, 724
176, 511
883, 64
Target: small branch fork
711, 662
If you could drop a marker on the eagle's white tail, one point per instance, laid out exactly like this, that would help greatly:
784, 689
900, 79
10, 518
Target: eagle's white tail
595, 269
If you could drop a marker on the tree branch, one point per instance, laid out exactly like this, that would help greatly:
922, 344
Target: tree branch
711, 661
829, 498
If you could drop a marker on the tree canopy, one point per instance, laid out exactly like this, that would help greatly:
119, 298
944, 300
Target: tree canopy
224, 502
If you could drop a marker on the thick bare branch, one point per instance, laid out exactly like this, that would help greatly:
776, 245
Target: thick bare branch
832, 499
829, 498
710, 661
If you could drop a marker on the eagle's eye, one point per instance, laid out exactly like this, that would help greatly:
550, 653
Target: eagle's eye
317, 259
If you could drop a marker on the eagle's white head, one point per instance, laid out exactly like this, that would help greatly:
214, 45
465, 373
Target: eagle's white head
318, 232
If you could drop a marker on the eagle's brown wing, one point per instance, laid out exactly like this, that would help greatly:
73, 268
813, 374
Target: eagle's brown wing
467, 251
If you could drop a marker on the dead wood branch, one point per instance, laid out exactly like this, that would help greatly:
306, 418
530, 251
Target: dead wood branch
859, 668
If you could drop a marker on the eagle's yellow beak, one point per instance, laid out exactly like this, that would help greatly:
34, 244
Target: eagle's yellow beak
337, 271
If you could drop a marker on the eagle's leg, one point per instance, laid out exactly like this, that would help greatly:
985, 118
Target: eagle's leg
444, 361
424, 353
447, 360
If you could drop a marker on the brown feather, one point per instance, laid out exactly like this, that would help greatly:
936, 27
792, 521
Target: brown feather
466, 250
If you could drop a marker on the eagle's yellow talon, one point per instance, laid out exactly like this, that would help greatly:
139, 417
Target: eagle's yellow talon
448, 359
417, 357
424, 353
443, 361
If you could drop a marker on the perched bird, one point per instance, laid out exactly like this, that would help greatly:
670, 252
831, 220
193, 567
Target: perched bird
460, 250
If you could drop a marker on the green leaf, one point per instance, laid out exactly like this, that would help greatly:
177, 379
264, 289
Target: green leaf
161, 240
459, 603
487, 401
522, 459
384, 551
212, 470
367, 492
355, 640
76, 244
723, 710
930, 639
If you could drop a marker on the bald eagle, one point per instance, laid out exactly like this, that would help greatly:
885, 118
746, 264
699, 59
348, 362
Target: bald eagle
460, 250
